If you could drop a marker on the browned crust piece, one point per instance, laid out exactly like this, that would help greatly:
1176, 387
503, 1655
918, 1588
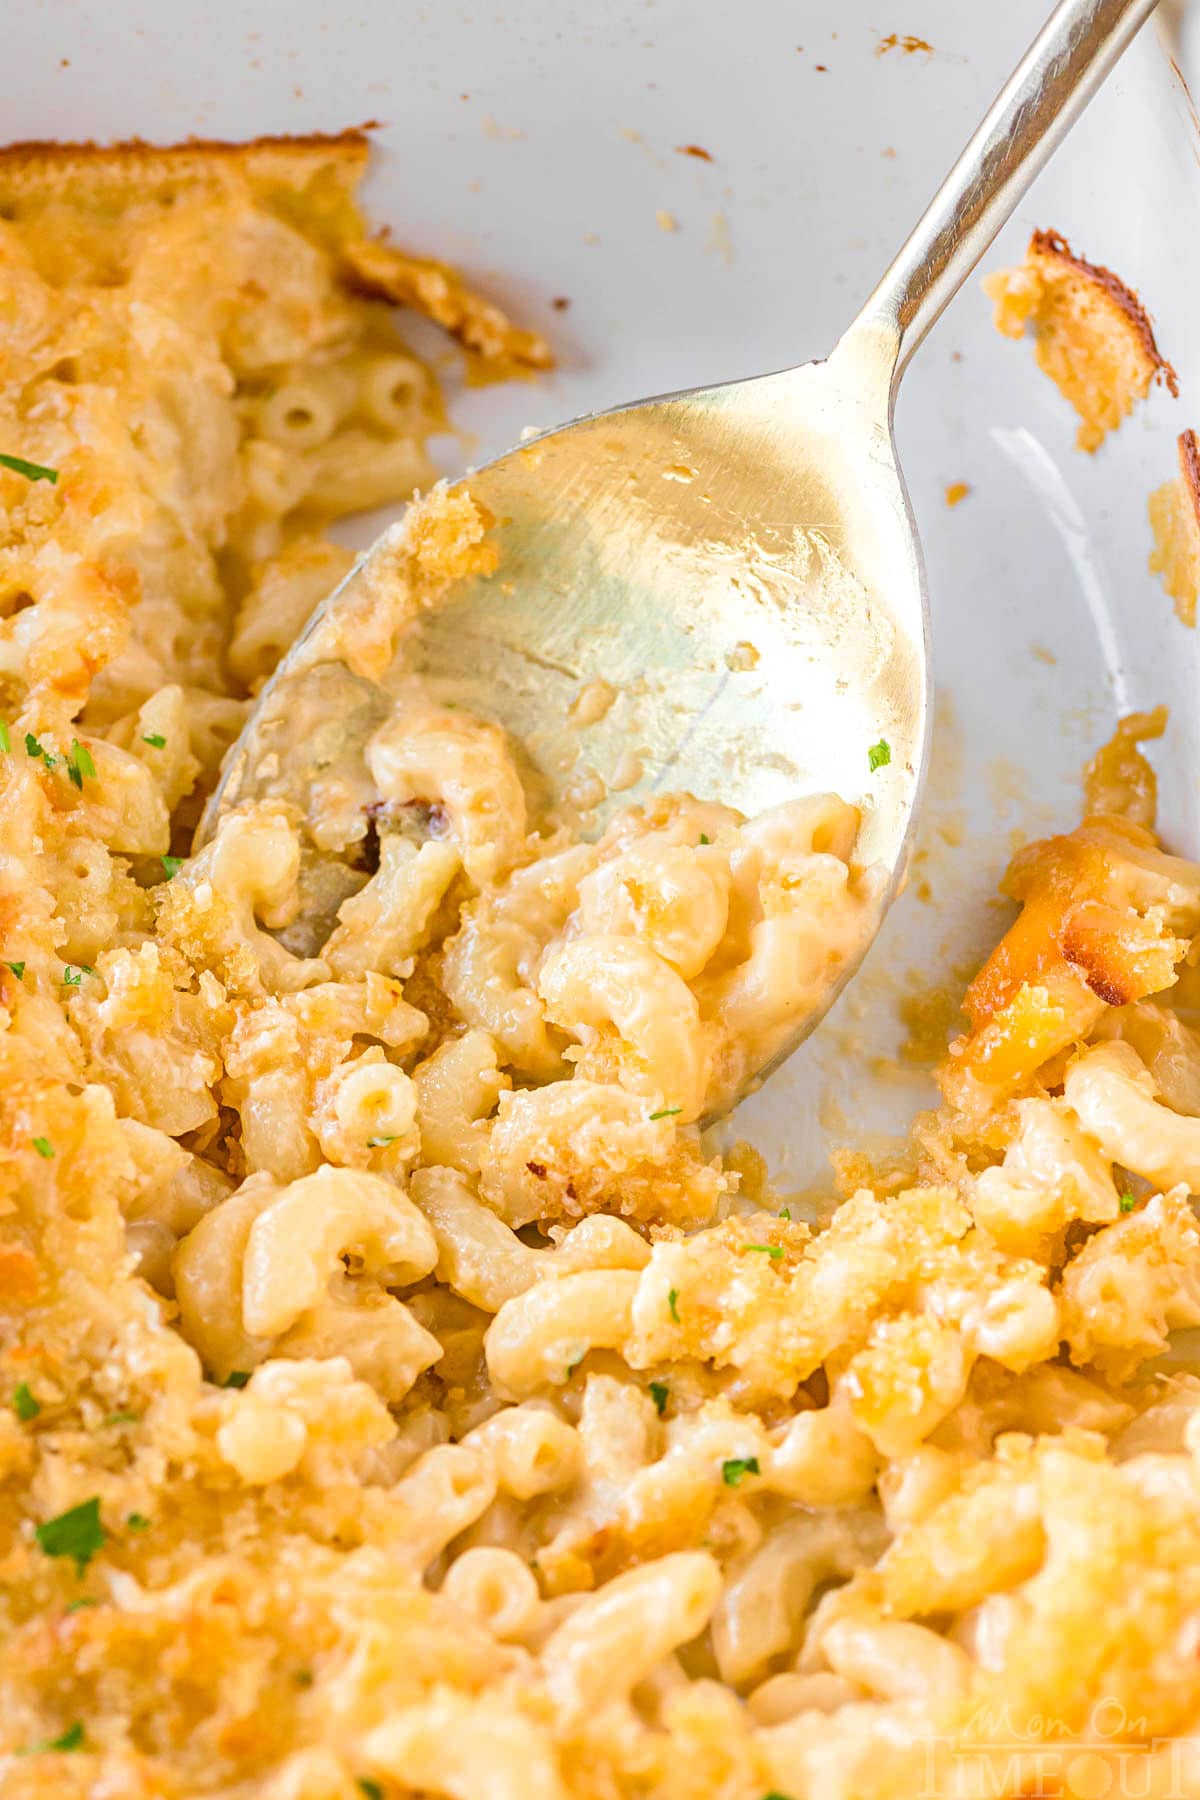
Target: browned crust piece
370, 266
81, 150
1054, 246
40, 167
1189, 469
375, 267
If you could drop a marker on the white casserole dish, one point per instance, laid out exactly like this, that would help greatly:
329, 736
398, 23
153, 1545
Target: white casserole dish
535, 145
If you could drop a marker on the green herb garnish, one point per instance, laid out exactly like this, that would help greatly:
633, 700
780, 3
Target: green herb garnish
879, 755
71, 1739
83, 1600
733, 1469
5, 737
236, 1378
77, 1533
370, 1788
79, 764
666, 1112
1127, 1202
24, 1404
660, 1393
123, 1418
672, 1297
785, 1212
137, 1522
172, 864
380, 1143
18, 969
774, 1251
704, 838
155, 739
30, 470
44, 1147
36, 749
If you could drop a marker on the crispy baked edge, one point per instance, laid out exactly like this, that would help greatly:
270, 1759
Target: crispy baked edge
1054, 245
37, 157
1189, 468
426, 286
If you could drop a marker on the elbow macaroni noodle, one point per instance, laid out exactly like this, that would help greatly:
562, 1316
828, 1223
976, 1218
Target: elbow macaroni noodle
399, 1395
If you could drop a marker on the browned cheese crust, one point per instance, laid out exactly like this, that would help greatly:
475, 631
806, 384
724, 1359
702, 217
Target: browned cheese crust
1054, 246
1093, 336
326, 167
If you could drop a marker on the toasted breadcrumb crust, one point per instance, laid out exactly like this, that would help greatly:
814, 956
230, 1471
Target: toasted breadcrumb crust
1092, 334
1174, 511
324, 168
374, 266
37, 166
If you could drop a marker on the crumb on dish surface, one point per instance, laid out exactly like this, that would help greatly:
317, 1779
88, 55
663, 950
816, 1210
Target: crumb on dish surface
1092, 335
1118, 778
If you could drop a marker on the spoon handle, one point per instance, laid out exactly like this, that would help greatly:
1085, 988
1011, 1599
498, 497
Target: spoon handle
1044, 95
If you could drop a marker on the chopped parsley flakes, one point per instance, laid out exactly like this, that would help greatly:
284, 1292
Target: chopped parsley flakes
71, 1739
1127, 1202
704, 838
666, 1112
79, 764
137, 1522
774, 1251
123, 1418
155, 739
660, 1393
370, 1788
83, 1600
73, 973
30, 470
18, 969
236, 1378
380, 1143
44, 1147
733, 1469
76, 1533
5, 736
34, 747
785, 1212
879, 755
672, 1297
24, 1403
172, 864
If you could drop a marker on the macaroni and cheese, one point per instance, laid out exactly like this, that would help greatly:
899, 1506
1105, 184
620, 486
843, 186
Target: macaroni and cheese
399, 1398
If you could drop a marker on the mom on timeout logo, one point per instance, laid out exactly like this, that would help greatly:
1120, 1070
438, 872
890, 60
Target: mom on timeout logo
997, 1757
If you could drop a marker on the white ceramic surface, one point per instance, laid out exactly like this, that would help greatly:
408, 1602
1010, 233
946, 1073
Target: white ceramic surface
533, 142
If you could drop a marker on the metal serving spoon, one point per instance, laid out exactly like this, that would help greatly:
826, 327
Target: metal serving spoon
740, 563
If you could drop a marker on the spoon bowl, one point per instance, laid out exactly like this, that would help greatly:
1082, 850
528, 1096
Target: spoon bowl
739, 565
